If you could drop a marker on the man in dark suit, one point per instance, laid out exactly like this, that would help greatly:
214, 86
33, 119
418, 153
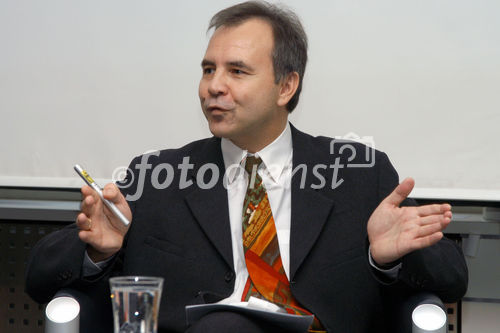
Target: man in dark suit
348, 248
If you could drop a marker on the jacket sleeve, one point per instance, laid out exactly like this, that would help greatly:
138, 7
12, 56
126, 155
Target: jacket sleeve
56, 261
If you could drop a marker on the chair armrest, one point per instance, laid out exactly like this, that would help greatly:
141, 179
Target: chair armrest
428, 314
401, 319
95, 315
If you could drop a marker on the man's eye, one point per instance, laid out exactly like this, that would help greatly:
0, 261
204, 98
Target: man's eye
208, 70
237, 71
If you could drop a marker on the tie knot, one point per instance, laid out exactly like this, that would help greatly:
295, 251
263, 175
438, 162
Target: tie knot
251, 163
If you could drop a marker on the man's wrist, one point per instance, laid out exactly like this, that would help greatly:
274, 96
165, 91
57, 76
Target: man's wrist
390, 270
383, 262
92, 268
98, 256
387, 266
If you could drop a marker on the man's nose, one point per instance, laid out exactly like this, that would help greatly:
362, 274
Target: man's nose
218, 84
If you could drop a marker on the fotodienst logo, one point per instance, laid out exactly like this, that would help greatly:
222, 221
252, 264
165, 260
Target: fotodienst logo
343, 145
348, 151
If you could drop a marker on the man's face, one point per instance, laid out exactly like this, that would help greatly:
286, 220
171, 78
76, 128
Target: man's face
237, 91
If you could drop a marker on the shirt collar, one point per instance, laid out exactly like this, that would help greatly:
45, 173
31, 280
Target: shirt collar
275, 156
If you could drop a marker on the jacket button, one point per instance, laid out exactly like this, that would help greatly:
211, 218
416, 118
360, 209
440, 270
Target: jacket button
65, 275
229, 276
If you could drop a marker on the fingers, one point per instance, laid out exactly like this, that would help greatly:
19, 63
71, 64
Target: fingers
86, 191
101, 216
434, 219
83, 222
429, 233
424, 236
427, 230
426, 241
401, 192
91, 202
90, 206
112, 193
88, 219
85, 236
426, 210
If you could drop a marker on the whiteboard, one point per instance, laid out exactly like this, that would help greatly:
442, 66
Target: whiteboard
99, 82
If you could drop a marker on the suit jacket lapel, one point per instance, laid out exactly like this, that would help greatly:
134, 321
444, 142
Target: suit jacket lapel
310, 208
209, 206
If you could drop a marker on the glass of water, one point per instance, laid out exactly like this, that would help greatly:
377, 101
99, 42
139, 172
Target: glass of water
136, 303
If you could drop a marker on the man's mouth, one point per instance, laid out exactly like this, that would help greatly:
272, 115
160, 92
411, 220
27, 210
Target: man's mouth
216, 109
217, 106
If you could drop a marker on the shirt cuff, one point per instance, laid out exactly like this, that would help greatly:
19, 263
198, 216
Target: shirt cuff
390, 272
92, 268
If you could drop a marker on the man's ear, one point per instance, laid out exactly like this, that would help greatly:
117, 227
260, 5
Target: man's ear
288, 87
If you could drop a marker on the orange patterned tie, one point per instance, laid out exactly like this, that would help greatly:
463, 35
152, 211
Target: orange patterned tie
267, 279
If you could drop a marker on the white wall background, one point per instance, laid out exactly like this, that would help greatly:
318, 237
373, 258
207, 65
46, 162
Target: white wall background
98, 82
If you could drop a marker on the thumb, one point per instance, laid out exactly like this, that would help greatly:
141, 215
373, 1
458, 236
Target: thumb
112, 193
401, 192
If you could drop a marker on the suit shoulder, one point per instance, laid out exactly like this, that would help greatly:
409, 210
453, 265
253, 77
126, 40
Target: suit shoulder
352, 148
349, 148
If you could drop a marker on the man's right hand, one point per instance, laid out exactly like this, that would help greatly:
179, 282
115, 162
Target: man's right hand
99, 228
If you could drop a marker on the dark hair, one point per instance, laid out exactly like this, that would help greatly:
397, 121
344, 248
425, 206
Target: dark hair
290, 40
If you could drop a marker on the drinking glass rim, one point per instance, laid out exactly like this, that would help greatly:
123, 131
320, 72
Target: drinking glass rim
139, 279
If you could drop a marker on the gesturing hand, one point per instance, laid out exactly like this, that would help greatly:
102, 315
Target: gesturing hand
394, 231
99, 228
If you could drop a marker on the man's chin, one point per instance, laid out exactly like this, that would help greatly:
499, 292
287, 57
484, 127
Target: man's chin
220, 130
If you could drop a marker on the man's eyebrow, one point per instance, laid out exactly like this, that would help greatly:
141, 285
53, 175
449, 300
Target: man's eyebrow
205, 63
240, 64
237, 63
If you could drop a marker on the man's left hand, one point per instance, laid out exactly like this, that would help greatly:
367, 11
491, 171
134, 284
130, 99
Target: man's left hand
394, 231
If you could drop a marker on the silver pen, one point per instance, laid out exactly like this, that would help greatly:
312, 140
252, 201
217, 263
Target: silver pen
86, 177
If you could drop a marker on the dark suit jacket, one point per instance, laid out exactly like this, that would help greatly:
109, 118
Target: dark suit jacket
184, 236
